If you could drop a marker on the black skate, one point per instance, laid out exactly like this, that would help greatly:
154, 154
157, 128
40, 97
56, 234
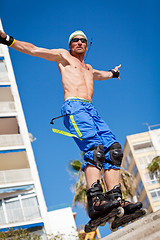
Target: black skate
101, 208
132, 211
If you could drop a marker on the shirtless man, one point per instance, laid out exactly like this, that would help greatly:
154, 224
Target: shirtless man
94, 137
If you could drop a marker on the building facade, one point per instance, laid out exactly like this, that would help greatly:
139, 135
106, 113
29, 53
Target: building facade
139, 151
21, 198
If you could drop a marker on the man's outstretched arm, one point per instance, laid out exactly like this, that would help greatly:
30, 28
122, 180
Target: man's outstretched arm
30, 49
105, 75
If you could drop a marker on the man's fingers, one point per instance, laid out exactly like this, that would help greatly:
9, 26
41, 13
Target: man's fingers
118, 66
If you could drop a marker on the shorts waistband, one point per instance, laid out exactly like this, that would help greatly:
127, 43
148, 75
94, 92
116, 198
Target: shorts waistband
77, 99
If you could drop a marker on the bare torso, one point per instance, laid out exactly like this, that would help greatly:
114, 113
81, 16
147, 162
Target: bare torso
77, 78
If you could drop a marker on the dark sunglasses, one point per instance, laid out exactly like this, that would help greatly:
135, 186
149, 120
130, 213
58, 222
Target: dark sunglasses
83, 40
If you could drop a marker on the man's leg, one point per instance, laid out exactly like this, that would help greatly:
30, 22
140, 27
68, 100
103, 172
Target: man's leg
112, 178
98, 203
92, 174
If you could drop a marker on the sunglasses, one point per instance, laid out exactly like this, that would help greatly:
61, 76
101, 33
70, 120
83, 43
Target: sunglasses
83, 40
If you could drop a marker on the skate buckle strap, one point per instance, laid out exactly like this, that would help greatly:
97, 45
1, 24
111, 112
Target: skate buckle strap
95, 193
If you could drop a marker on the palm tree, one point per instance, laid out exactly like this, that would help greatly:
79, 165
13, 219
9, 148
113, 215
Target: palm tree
127, 184
154, 166
80, 186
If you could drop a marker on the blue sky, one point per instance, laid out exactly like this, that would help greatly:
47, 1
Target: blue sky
123, 32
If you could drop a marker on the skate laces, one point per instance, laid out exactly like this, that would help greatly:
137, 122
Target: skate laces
99, 201
125, 202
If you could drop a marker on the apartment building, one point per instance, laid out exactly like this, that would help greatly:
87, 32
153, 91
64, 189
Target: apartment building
22, 202
139, 150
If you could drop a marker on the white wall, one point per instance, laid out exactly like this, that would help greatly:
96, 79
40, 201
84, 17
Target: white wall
62, 221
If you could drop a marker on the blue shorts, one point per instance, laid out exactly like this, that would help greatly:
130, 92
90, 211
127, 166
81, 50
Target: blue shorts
84, 122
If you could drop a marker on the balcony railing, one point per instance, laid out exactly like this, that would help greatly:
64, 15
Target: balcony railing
14, 176
11, 140
4, 77
6, 107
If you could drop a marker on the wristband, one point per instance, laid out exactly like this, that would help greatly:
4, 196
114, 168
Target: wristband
8, 40
115, 73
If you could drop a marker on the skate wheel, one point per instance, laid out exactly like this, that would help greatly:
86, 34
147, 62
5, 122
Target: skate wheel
87, 228
113, 229
120, 212
102, 224
145, 211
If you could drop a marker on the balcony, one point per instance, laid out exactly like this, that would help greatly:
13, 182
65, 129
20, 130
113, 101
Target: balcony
3, 70
7, 107
14, 176
10, 140
13, 160
4, 77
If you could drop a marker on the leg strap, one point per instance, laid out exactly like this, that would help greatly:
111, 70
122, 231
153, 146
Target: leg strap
98, 156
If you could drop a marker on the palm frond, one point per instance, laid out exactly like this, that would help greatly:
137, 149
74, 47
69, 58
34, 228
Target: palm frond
154, 165
74, 166
127, 184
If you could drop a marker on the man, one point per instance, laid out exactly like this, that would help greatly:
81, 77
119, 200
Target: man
91, 133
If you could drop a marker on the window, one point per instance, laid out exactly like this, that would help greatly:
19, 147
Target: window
139, 189
30, 207
140, 186
127, 160
2, 217
155, 194
151, 178
135, 170
13, 209
138, 193
146, 202
145, 160
143, 147
22, 207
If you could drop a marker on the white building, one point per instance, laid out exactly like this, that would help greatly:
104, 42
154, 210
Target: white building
139, 151
22, 202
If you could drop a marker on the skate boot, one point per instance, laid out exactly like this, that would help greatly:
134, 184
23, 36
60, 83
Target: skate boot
100, 207
97, 202
132, 211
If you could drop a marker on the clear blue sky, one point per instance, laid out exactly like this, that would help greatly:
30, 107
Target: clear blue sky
124, 32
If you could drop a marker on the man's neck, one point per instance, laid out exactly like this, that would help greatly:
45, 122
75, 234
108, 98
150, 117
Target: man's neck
80, 57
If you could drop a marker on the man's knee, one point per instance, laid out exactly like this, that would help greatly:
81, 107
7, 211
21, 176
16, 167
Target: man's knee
116, 154
98, 156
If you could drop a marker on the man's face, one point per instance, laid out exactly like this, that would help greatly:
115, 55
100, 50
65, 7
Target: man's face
79, 46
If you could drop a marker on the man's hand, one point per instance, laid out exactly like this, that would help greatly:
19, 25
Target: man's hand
115, 72
117, 69
5, 39
2, 34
